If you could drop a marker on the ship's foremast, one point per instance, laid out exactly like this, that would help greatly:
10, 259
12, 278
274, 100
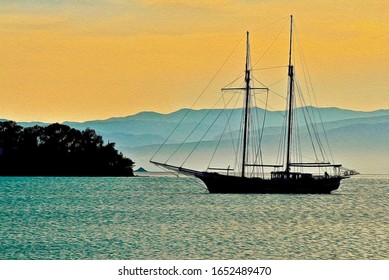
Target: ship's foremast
247, 105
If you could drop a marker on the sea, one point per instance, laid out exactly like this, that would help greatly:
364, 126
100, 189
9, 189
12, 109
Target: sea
175, 218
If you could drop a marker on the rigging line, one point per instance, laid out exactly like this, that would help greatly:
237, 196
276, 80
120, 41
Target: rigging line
221, 67
255, 120
274, 110
264, 118
201, 94
263, 130
280, 80
240, 143
253, 154
316, 104
201, 139
310, 113
267, 68
320, 144
239, 77
171, 133
226, 88
298, 152
252, 133
280, 156
304, 63
271, 45
262, 84
294, 141
276, 93
306, 119
197, 126
325, 136
312, 123
270, 24
318, 141
222, 134
282, 147
229, 126
280, 142
305, 70
309, 85
224, 63
259, 151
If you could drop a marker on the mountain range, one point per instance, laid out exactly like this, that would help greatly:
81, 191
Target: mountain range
359, 140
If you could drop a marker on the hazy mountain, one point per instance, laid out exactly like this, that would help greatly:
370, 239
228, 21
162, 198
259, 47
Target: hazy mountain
358, 139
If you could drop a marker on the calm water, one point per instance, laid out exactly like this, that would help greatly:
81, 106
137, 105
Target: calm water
175, 218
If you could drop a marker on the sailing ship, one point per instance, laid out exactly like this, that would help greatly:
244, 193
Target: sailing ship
288, 177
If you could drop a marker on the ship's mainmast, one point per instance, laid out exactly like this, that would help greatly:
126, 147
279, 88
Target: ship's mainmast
291, 96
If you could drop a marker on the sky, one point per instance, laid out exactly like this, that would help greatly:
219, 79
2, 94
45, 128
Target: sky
85, 60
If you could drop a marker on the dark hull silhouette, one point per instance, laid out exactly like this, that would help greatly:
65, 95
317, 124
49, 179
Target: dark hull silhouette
217, 183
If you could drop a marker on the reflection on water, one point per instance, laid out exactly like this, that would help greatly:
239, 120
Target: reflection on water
175, 218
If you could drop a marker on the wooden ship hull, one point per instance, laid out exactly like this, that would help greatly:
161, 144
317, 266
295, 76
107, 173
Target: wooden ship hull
218, 183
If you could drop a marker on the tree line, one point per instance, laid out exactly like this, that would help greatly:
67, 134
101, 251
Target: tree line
58, 150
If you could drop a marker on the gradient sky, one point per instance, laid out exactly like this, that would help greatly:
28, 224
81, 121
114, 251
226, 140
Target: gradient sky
82, 60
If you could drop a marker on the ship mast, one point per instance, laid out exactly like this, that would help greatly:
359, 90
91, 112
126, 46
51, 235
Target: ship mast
290, 109
247, 105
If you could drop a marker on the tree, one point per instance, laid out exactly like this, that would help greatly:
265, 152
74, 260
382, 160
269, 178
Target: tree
58, 150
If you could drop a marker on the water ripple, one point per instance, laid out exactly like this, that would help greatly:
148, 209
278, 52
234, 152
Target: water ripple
175, 218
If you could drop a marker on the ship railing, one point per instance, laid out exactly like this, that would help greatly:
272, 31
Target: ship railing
314, 165
228, 169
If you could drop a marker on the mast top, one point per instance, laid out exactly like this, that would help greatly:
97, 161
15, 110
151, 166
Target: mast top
290, 40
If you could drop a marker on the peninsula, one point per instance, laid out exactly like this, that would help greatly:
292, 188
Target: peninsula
58, 150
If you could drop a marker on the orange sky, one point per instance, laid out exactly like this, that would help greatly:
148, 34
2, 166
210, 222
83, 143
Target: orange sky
83, 60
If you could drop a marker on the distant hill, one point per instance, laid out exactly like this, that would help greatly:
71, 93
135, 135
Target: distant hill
141, 169
358, 139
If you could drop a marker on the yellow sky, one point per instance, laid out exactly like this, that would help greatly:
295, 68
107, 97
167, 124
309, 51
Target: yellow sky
83, 60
